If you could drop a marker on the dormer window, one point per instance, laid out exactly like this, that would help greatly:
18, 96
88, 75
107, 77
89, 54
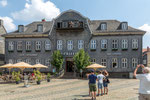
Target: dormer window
124, 26
21, 28
40, 28
103, 26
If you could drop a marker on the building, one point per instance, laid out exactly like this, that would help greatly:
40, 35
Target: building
2, 43
146, 57
108, 42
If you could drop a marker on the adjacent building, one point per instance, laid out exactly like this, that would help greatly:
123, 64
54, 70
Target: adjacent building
111, 43
146, 57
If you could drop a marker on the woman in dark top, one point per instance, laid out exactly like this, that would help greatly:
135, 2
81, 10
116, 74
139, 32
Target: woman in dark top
105, 82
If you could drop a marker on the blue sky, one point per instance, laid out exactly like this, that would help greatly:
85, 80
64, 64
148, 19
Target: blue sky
135, 12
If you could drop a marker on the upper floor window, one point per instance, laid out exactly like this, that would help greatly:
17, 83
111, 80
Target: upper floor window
103, 26
124, 26
19, 45
47, 45
124, 44
115, 44
28, 61
104, 44
47, 62
37, 61
10, 61
134, 62
124, 62
38, 45
93, 60
28, 45
59, 44
70, 45
93, 44
114, 63
80, 44
135, 44
11, 45
21, 28
104, 61
65, 24
40, 28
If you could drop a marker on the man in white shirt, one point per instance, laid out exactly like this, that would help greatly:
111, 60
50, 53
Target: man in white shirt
144, 89
100, 78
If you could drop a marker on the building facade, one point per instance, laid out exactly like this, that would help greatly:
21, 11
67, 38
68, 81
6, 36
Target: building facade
146, 57
108, 42
2, 43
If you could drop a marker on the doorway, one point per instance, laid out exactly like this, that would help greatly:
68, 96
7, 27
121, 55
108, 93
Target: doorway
69, 65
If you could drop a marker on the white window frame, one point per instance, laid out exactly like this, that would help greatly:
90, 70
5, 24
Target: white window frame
93, 60
104, 61
10, 61
11, 45
19, 45
124, 26
114, 44
21, 28
47, 45
124, 44
47, 62
70, 45
134, 62
38, 61
134, 43
19, 60
114, 60
38, 45
28, 45
64, 24
103, 26
103, 44
40, 28
124, 62
59, 45
80, 44
93, 44
28, 61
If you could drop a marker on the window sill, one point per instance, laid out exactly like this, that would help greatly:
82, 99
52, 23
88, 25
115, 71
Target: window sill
134, 48
47, 50
38, 50
19, 50
10, 50
28, 50
124, 49
114, 49
93, 49
103, 49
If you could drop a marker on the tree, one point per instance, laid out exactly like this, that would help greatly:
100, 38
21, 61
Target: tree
57, 60
81, 60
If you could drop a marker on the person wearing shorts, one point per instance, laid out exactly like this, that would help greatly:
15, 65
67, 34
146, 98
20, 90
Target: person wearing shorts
100, 78
105, 82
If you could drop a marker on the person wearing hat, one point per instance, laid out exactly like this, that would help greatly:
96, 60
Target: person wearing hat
92, 84
144, 88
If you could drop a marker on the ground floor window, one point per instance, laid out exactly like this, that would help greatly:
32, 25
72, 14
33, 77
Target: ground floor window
124, 62
134, 62
114, 63
104, 62
93, 60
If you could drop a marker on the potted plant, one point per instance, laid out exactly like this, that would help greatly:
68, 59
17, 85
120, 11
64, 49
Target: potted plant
17, 77
48, 77
38, 76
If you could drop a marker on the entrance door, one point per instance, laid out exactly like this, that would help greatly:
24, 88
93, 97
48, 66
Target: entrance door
69, 66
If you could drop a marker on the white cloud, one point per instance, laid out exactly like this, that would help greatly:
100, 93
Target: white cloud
146, 39
37, 10
3, 3
8, 24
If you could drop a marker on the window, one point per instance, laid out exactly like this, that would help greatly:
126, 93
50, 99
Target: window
47, 62
124, 44
124, 26
11, 46
93, 60
21, 28
69, 44
19, 45
28, 45
144, 62
104, 62
59, 25
19, 60
28, 61
65, 24
37, 61
38, 45
115, 44
134, 44
124, 62
104, 44
93, 44
47, 45
10, 61
114, 63
59, 44
134, 62
80, 44
40, 28
103, 26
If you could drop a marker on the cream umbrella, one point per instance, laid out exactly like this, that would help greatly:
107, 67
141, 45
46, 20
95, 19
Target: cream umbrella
9, 66
38, 66
95, 66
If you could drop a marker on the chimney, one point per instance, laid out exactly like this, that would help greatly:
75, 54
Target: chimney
43, 20
148, 49
1, 22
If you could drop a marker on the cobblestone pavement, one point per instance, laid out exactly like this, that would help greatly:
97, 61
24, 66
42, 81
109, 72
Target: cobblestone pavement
69, 89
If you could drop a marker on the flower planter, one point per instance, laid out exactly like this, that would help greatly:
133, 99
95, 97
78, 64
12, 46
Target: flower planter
48, 80
17, 82
38, 82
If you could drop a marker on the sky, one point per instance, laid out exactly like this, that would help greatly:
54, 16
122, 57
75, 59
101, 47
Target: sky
135, 12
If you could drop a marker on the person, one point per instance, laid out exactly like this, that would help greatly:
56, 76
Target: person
100, 78
88, 83
92, 84
105, 82
25, 80
144, 88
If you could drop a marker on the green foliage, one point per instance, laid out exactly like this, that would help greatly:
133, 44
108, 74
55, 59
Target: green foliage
48, 75
16, 75
57, 60
81, 59
38, 75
